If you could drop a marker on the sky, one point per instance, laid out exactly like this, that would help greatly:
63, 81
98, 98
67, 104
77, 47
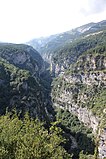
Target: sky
23, 20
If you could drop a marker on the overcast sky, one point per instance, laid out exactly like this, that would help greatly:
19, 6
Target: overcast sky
23, 20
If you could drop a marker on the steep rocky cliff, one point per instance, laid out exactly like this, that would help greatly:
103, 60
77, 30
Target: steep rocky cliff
21, 68
82, 90
23, 56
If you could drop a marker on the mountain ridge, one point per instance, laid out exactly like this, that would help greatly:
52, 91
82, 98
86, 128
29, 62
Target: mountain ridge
47, 46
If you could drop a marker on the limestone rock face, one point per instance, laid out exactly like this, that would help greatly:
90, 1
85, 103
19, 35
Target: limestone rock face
88, 63
102, 143
79, 89
24, 57
57, 69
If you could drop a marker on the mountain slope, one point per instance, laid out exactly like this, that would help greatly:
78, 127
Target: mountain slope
49, 45
20, 82
82, 91
22, 56
69, 53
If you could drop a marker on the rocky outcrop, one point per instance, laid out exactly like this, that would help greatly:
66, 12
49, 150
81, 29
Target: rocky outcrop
24, 57
86, 63
83, 114
56, 69
102, 143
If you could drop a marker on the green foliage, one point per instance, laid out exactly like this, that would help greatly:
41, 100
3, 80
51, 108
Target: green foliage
22, 56
71, 121
28, 139
21, 90
83, 135
84, 156
12, 79
70, 52
98, 103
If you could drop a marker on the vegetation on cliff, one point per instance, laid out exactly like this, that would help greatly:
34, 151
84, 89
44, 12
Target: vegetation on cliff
21, 83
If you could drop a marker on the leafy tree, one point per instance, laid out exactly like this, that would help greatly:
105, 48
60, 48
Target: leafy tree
28, 139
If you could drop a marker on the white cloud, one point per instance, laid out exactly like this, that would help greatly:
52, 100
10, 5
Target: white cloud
94, 6
21, 20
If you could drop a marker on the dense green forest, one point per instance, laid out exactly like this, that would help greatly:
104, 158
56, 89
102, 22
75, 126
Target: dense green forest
28, 139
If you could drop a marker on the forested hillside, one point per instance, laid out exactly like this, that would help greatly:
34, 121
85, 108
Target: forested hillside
82, 91
20, 81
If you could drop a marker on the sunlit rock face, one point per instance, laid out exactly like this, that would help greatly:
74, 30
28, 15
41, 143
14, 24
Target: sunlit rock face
23, 56
78, 90
102, 143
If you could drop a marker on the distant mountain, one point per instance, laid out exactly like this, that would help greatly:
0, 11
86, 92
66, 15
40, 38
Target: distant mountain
91, 27
49, 45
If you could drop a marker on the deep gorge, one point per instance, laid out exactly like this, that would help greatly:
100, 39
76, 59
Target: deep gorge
64, 82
